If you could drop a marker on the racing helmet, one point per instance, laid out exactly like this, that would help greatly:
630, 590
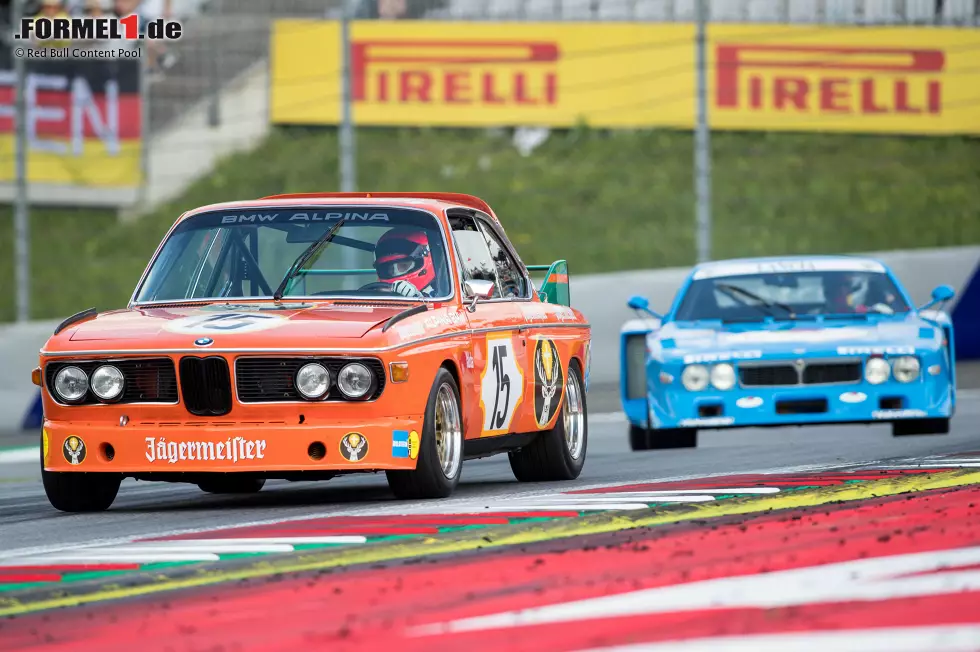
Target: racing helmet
403, 254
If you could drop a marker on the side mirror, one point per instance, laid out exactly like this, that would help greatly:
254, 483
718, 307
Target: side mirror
637, 302
477, 290
941, 294
641, 304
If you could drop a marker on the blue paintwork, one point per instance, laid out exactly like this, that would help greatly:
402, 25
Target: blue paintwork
670, 345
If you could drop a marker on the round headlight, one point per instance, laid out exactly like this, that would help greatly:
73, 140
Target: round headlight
876, 371
695, 377
355, 380
107, 382
723, 376
71, 384
312, 380
906, 368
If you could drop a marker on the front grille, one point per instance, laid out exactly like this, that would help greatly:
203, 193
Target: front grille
815, 373
205, 385
807, 406
146, 380
271, 379
767, 375
826, 373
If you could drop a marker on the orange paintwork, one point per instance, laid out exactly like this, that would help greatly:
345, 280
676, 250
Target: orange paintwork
274, 437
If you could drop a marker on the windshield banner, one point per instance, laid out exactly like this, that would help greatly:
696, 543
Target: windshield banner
919, 80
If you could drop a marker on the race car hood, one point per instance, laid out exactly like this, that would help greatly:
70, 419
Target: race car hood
230, 325
694, 342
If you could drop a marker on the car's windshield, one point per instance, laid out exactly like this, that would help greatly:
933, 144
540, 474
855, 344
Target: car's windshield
793, 295
247, 253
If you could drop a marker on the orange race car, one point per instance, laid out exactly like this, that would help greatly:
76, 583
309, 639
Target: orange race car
308, 335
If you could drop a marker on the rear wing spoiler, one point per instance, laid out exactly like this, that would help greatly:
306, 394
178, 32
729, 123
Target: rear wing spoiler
554, 289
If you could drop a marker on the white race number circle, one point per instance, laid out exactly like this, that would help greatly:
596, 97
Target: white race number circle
502, 385
227, 322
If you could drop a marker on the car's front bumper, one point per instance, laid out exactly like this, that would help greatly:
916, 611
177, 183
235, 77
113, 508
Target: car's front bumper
794, 405
234, 446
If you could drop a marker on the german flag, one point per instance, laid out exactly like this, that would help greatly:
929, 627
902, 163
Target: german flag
84, 121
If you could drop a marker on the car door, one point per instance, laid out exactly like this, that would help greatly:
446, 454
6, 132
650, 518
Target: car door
496, 390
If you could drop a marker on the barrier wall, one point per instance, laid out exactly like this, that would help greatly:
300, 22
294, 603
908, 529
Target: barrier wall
602, 297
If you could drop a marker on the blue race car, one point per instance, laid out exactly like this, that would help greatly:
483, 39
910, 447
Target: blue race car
787, 342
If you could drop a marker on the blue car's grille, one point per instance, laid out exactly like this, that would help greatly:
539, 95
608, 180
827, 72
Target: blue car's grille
783, 374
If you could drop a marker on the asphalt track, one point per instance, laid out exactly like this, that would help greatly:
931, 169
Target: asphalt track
28, 524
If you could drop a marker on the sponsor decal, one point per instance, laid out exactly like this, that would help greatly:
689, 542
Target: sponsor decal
808, 335
229, 322
405, 444
74, 450
548, 381
588, 362
898, 414
233, 449
409, 331
787, 267
706, 422
354, 447
468, 360
853, 397
501, 384
875, 350
749, 402
721, 356
445, 319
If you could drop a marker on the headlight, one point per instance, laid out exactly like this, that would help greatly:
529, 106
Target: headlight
723, 376
906, 368
355, 380
695, 377
107, 383
71, 384
876, 371
312, 380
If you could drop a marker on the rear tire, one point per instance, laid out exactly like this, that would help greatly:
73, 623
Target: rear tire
231, 484
920, 427
80, 492
440, 459
558, 454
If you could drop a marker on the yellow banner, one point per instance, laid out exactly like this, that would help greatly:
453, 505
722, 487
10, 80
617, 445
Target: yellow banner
767, 77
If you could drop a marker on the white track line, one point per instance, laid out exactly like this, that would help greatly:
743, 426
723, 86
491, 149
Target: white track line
20, 455
96, 555
951, 638
297, 541
613, 498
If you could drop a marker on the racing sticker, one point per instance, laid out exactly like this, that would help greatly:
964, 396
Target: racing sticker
228, 322
354, 447
74, 450
233, 449
548, 381
405, 444
501, 386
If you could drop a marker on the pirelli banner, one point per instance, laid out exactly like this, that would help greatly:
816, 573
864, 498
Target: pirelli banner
84, 124
770, 77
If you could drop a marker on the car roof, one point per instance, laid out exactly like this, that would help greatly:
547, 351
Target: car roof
436, 202
743, 266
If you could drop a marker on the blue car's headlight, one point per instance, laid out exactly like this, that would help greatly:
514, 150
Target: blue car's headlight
906, 368
695, 377
876, 371
723, 376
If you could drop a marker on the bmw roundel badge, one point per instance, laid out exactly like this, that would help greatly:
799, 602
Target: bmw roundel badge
203, 341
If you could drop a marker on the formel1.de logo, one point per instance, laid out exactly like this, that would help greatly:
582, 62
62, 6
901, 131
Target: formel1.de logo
97, 29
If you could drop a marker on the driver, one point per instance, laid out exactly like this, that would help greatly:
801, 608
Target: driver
847, 293
402, 257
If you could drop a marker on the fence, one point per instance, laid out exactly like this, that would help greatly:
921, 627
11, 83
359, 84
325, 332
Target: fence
624, 196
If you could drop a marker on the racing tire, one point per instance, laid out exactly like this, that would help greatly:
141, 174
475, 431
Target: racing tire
558, 454
231, 484
80, 492
440, 458
645, 439
914, 427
